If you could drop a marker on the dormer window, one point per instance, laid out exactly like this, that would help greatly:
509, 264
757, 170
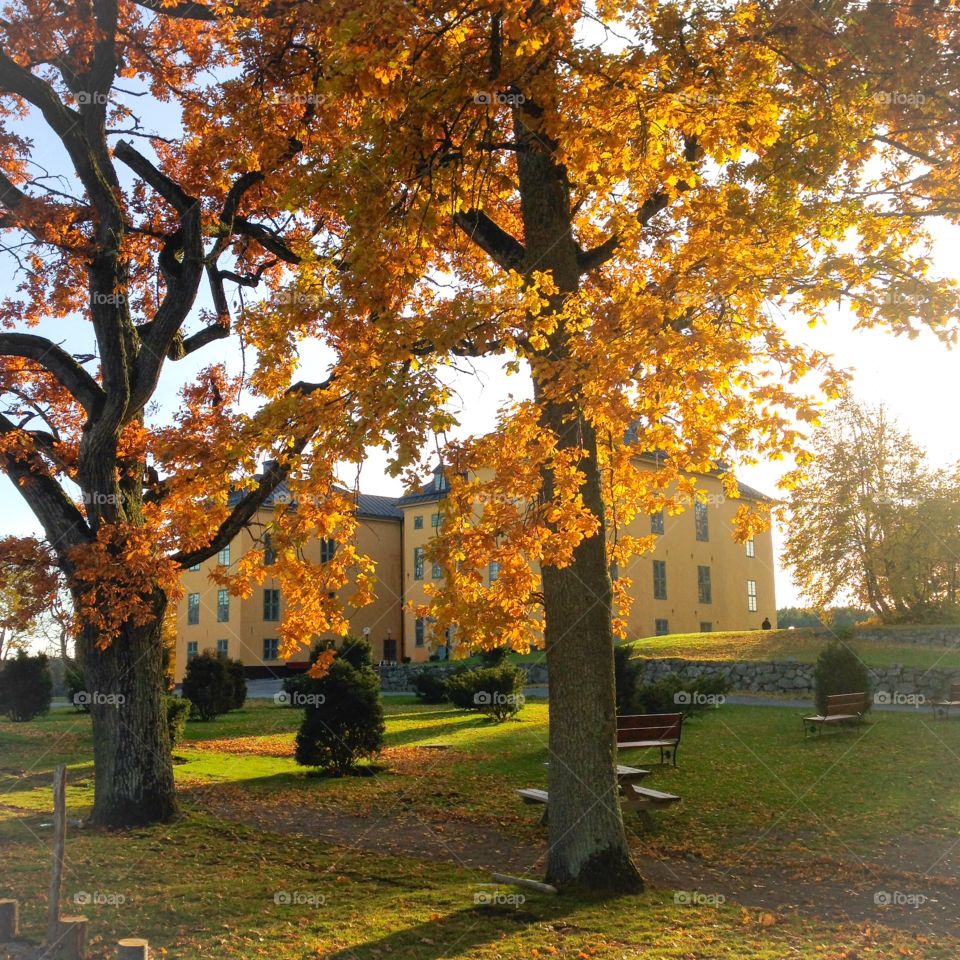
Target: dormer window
439, 481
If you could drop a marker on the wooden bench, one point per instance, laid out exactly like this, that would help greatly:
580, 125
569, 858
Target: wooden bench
642, 730
941, 708
841, 708
640, 799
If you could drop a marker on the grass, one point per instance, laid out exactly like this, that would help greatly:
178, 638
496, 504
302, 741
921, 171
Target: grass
754, 791
800, 645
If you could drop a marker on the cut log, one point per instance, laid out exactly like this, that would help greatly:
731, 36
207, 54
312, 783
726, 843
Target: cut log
71, 943
9, 921
523, 882
133, 948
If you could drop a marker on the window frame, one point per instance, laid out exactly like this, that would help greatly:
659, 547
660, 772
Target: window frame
704, 584
223, 605
701, 521
271, 605
193, 609
659, 579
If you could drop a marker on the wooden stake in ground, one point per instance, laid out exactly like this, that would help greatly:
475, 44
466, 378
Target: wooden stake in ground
59, 841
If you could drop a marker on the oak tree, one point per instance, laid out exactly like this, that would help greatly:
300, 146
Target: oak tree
616, 199
139, 246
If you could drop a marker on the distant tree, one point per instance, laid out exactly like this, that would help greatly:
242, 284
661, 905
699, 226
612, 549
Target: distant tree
26, 687
28, 591
872, 522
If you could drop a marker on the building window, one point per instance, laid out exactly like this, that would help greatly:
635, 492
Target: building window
706, 626
418, 563
435, 570
223, 606
752, 596
193, 608
269, 554
656, 521
659, 579
493, 571
418, 522
223, 557
751, 548
418, 632
192, 649
435, 520
327, 549
661, 627
704, 587
271, 604
701, 521
194, 568
271, 649
222, 647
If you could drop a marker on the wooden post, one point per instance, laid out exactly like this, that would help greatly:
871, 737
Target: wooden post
9, 921
59, 840
133, 948
71, 942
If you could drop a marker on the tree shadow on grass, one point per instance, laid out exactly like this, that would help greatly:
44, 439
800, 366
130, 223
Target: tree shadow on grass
457, 934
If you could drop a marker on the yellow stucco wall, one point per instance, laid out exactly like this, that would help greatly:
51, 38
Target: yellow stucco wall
246, 629
730, 570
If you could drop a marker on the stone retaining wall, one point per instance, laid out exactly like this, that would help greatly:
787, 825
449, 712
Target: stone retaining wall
790, 677
396, 678
933, 636
782, 676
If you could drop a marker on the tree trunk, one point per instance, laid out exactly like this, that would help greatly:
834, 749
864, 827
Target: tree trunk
133, 768
588, 842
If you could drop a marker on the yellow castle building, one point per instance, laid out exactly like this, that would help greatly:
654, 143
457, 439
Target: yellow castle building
697, 579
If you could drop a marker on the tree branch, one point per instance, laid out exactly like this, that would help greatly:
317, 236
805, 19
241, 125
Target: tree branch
56, 361
504, 249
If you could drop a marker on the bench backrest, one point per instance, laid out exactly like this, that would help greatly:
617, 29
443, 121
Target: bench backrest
954, 691
846, 703
649, 726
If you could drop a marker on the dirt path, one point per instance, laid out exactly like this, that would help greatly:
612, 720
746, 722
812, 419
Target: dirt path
881, 891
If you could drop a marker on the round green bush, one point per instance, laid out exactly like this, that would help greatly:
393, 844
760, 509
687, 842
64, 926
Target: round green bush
429, 686
26, 687
494, 691
178, 711
209, 686
342, 719
839, 670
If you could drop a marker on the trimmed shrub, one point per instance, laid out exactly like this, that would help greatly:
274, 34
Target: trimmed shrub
357, 652
178, 712
26, 687
495, 657
343, 719
675, 694
429, 686
626, 676
839, 670
238, 678
208, 685
494, 691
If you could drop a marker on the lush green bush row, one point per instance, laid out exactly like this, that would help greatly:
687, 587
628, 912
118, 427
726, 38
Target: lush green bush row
496, 691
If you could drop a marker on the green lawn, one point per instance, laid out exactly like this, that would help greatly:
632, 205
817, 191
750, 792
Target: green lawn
754, 791
801, 645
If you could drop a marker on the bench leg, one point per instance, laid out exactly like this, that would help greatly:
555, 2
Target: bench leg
545, 818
